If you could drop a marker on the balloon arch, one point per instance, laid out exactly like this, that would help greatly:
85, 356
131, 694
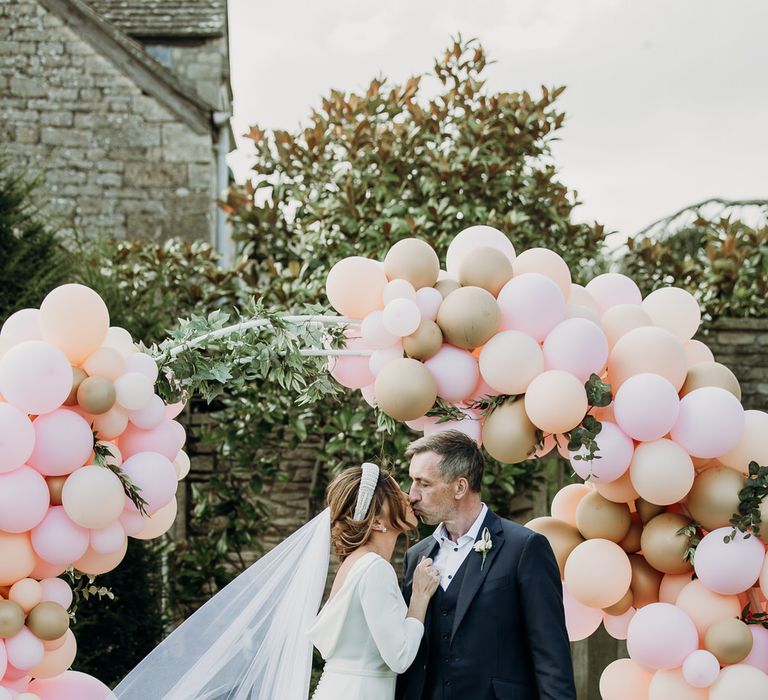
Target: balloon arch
661, 543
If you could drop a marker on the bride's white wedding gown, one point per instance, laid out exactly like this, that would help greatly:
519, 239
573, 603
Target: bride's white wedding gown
364, 635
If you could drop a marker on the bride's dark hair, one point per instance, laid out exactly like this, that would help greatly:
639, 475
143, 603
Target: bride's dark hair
348, 534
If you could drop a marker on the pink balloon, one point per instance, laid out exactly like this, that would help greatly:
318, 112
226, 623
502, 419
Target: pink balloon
58, 540
35, 376
57, 590
428, 299
732, 567
44, 569
612, 289
352, 371
660, 636
71, 685
701, 668
710, 423
20, 326
24, 499
132, 521
108, 539
167, 439
531, 303
646, 406
380, 358
455, 371
577, 346
373, 332
154, 475
24, 649
63, 443
617, 625
173, 409
758, 657
17, 437
368, 395
471, 426
580, 620
3, 666
150, 416
615, 451
401, 317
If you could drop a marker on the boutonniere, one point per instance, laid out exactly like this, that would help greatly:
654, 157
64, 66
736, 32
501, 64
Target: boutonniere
484, 545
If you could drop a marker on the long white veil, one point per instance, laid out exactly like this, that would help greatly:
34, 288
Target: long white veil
249, 641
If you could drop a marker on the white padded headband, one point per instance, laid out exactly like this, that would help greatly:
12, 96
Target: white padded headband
367, 486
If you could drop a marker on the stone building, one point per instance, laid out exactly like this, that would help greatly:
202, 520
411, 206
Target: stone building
122, 107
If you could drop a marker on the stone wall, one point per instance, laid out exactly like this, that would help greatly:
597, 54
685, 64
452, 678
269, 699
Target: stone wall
113, 160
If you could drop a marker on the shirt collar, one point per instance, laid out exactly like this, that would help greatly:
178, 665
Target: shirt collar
441, 534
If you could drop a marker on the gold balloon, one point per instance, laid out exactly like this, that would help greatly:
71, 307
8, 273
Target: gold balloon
405, 389
631, 541
646, 581
663, 547
714, 496
414, 260
11, 618
563, 538
647, 511
729, 640
55, 486
78, 375
508, 434
711, 374
485, 267
96, 395
48, 620
425, 342
599, 518
622, 606
469, 317
763, 534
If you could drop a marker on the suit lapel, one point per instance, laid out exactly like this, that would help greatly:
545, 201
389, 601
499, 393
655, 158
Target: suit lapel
473, 575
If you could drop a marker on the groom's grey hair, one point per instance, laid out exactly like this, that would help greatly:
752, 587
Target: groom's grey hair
459, 456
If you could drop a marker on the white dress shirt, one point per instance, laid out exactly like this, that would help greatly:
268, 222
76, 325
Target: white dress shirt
451, 555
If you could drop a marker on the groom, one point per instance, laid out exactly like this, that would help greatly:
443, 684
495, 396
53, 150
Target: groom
496, 627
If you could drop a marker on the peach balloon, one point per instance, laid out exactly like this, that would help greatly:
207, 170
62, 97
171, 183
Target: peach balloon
617, 625
20, 326
566, 501
17, 558
398, 289
510, 360
706, 607
620, 490
753, 445
740, 681
674, 309
111, 424
373, 333
44, 569
670, 683
546, 262
105, 362
661, 472
57, 660
27, 593
121, 340
93, 497
401, 317
556, 401
143, 364
578, 296
355, 286
624, 679
94, 563
134, 390
159, 522
182, 464
619, 320
598, 573
611, 289
75, 319
671, 585
648, 349
696, 352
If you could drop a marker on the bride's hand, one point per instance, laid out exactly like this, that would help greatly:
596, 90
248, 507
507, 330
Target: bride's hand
426, 579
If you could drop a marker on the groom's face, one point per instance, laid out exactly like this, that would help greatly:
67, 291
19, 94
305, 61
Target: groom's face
431, 497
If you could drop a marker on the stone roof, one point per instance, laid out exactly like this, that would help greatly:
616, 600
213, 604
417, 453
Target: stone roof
165, 18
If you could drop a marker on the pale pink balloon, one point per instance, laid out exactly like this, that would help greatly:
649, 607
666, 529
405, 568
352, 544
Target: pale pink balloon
399, 289
133, 390
455, 371
355, 286
476, 237
661, 472
577, 346
107, 539
58, 540
428, 299
63, 442
674, 309
482, 391
401, 317
174, 409
20, 326
380, 358
17, 437
58, 591
93, 497
556, 401
121, 340
105, 362
710, 423
24, 649
660, 636
622, 318
159, 523
566, 500
368, 395
615, 451
547, 263
646, 406
24, 499
611, 289
758, 657
167, 439
352, 371
15, 679
617, 625
531, 303
143, 364
150, 416
373, 332
155, 477
579, 296
701, 668
697, 352
132, 521
580, 620
35, 377
4, 694
471, 426
71, 685
732, 567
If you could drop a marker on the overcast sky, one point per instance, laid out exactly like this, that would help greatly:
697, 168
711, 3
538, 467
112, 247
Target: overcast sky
667, 100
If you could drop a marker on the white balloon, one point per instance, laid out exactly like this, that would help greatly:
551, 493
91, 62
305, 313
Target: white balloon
401, 317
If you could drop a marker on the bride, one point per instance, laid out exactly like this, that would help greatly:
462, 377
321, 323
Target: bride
253, 640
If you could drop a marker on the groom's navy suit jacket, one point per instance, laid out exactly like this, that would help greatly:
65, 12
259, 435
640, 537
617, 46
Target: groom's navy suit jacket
507, 639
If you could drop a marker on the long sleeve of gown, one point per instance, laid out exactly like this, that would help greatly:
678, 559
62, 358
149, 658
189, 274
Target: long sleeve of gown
397, 637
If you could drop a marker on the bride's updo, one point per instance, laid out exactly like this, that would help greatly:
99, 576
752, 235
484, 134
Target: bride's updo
347, 534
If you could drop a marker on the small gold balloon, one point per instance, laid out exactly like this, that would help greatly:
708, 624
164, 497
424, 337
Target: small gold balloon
469, 317
508, 434
48, 620
78, 375
729, 640
662, 547
11, 618
55, 487
405, 389
647, 511
599, 518
622, 606
763, 534
646, 581
485, 267
446, 286
563, 538
714, 496
96, 395
425, 342
711, 374
631, 542
414, 260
